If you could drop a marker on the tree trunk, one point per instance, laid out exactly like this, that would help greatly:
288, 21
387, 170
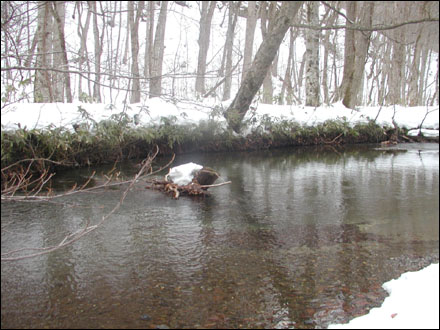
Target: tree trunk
361, 44
150, 39
261, 64
349, 49
134, 27
267, 21
42, 85
204, 36
58, 11
287, 81
251, 23
312, 56
98, 53
159, 47
82, 33
232, 20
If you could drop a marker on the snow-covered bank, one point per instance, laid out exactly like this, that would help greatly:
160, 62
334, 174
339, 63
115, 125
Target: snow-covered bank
413, 304
152, 111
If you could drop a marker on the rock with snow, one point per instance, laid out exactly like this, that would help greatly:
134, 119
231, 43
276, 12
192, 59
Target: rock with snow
183, 174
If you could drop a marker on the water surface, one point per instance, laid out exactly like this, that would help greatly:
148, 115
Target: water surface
301, 238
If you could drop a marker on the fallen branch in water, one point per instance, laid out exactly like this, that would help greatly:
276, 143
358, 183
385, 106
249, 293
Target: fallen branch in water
73, 237
192, 189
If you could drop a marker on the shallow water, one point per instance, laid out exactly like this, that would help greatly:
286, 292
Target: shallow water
301, 238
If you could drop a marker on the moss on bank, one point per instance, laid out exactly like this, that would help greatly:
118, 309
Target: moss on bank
112, 140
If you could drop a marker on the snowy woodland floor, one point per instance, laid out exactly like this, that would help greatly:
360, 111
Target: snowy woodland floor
151, 112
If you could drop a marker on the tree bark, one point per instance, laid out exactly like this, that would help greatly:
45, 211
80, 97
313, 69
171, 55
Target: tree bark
251, 23
58, 11
159, 47
150, 39
261, 64
98, 53
135, 96
204, 36
361, 43
42, 84
232, 20
312, 56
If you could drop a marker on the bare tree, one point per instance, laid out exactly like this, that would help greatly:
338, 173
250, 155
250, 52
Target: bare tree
287, 81
134, 32
357, 43
62, 80
158, 50
206, 13
251, 23
232, 21
312, 55
82, 32
261, 64
98, 51
148, 56
42, 84
268, 16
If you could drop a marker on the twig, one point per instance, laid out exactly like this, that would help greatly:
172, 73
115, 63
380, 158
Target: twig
71, 238
215, 185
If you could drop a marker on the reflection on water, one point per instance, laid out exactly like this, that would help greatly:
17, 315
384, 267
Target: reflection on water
302, 237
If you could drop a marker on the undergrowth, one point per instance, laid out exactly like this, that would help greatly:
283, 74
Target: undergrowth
117, 138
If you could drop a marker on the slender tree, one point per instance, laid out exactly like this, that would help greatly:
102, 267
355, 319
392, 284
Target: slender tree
312, 55
43, 91
207, 11
261, 64
62, 82
134, 18
232, 20
158, 50
251, 23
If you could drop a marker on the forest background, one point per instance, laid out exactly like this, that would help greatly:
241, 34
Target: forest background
360, 52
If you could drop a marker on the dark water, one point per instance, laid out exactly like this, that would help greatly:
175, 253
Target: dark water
301, 238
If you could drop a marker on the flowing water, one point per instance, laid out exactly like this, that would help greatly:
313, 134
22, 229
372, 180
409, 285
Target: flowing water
300, 238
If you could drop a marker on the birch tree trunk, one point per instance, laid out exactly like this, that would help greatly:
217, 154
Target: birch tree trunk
261, 64
204, 36
312, 55
158, 50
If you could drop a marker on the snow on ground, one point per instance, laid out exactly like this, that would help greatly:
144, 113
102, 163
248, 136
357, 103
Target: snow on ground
151, 111
414, 299
413, 304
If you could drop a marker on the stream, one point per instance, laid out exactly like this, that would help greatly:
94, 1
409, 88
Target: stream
302, 237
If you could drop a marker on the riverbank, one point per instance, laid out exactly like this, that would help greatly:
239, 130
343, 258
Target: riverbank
413, 304
81, 134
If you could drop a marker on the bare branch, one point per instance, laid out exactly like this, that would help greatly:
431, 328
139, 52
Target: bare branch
73, 237
380, 27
